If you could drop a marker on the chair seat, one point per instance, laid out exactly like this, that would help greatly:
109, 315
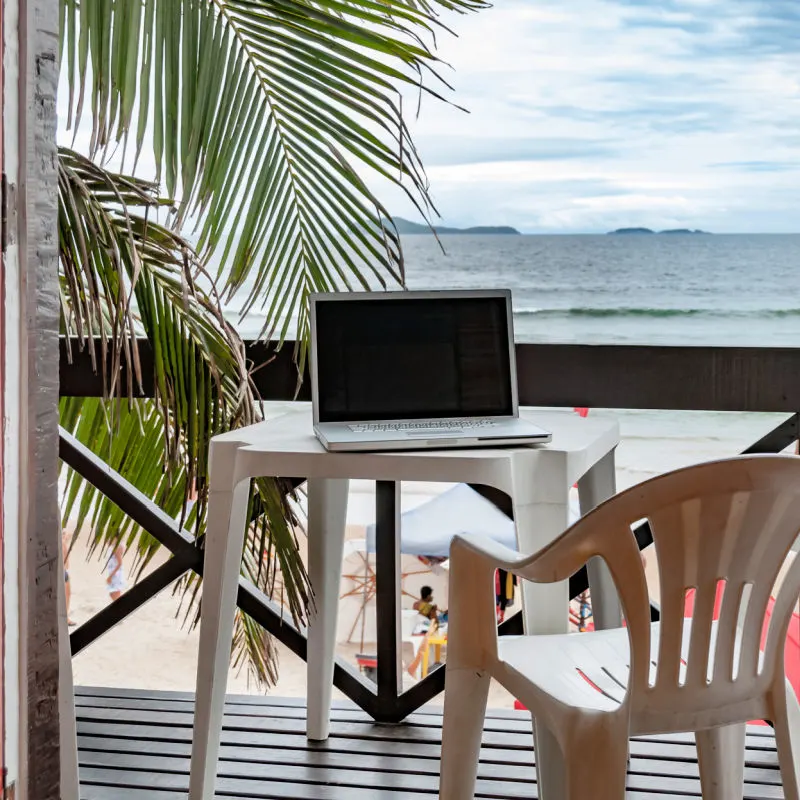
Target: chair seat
583, 670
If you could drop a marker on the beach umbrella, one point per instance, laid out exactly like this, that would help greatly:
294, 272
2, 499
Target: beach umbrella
357, 620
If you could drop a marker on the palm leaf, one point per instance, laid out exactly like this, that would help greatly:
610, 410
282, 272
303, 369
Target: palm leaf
263, 117
124, 276
135, 450
267, 120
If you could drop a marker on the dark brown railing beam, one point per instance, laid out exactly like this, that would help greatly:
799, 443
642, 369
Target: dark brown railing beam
186, 555
140, 593
597, 376
778, 439
275, 373
137, 505
674, 378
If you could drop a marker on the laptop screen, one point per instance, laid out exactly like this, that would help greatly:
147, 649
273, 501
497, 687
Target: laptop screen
412, 358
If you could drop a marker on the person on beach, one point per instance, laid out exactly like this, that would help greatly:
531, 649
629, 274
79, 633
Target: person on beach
424, 606
67, 587
115, 571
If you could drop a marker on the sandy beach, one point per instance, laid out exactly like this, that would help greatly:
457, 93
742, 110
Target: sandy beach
152, 649
155, 649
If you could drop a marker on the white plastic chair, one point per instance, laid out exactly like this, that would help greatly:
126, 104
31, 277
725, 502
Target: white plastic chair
728, 522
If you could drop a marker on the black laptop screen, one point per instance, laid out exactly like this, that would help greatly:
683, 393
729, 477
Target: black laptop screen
413, 358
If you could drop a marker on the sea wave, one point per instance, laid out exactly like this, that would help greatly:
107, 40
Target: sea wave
627, 311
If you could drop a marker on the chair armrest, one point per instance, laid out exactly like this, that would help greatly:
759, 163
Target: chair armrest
496, 555
555, 562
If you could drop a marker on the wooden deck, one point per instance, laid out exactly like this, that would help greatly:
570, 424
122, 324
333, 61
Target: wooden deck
135, 745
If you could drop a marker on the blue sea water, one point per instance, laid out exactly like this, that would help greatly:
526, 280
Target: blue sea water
645, 289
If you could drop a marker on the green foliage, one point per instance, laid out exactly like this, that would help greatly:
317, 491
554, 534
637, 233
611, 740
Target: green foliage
261, 117
264, 119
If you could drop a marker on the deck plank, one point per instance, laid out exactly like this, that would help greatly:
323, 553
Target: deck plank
95, 749
136, 744
511, 733
249, 746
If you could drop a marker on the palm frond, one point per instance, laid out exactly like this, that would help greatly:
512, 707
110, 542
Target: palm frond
267, 120
124, 276
134, 449
264, 117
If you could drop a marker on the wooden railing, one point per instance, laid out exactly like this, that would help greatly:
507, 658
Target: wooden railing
675, 378
598, 376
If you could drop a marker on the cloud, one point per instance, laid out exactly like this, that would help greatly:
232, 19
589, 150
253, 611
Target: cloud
596, 114
442, 150
759, 166
619, 112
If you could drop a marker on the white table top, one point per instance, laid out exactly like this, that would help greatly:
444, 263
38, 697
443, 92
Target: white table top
285, 445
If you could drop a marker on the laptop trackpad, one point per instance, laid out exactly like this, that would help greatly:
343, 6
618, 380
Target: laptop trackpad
421, 433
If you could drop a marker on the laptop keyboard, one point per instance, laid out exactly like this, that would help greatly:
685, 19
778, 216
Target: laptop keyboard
423, 425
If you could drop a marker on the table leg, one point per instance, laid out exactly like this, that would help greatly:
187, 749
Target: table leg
225, 529
596, 486
327, 513
545, 606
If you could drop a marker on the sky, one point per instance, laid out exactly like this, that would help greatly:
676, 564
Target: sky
590, 115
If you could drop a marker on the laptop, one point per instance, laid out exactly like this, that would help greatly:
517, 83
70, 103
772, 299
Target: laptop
415, 370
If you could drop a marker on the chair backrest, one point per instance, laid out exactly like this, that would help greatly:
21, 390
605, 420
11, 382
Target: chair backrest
724, 530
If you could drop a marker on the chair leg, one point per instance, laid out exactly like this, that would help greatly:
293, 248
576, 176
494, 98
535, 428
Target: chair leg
551, 768
786, 719
465, 696
595, 753
720, 754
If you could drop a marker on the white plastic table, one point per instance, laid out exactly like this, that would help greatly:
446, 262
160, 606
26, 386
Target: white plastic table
537, 479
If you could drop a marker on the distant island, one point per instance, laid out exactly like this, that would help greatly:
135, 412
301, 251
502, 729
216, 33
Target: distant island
633, 231
405, 227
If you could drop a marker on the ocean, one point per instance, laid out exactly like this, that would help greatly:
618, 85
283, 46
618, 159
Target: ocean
645, 289
641, 289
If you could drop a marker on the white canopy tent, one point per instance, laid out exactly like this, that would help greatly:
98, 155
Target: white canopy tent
428, 529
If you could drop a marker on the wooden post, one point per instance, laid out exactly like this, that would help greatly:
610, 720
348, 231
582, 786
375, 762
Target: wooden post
387, 596
3, 226
41, 573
